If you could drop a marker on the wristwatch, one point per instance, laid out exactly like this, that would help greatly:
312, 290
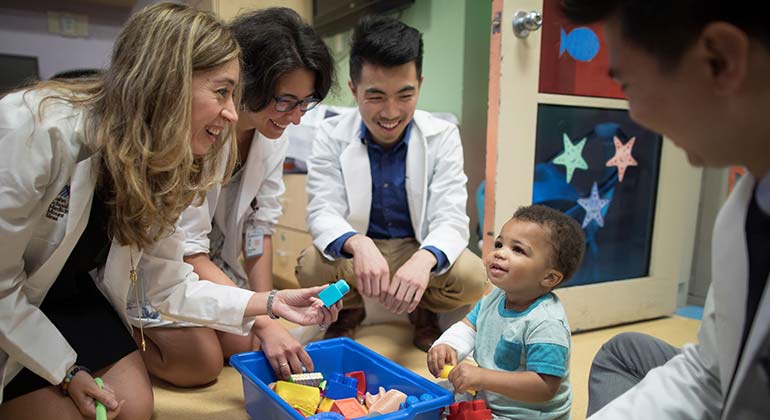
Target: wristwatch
270, 298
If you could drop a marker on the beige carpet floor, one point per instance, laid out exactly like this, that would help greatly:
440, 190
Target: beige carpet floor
223, 400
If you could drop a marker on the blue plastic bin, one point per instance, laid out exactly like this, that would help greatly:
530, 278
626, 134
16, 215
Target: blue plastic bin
338, 355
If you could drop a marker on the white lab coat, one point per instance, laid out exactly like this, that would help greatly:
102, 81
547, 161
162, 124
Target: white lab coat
261, 178
693, 384
339, 183
40, 225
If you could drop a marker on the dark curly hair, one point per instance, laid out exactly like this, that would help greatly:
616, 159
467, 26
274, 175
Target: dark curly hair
566, 236
275, 41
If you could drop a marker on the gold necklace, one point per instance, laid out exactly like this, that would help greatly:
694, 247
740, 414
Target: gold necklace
133, 277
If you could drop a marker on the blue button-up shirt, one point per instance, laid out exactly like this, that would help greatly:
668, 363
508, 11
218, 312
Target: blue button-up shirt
389, 214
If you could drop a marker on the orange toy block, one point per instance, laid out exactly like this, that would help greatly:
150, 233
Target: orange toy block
350, 408
302, 397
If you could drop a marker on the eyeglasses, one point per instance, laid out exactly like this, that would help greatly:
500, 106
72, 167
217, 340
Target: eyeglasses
288, 103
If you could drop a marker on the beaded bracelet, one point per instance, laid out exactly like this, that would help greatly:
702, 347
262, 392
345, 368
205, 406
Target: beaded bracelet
65, 384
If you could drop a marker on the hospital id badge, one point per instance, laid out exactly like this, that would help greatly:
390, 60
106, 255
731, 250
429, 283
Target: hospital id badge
254, 242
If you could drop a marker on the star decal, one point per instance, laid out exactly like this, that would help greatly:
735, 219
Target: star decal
572, 156
593, 206
622, 158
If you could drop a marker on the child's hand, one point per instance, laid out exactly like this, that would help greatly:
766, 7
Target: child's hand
465, 377
441, 355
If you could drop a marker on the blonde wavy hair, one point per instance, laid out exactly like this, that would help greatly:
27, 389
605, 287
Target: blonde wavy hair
140, 118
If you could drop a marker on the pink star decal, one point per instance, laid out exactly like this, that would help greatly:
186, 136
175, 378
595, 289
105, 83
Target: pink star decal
622, 158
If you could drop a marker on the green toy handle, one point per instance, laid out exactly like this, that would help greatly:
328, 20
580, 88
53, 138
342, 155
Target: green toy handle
101, 410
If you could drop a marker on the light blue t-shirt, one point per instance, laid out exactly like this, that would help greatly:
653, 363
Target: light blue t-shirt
536, 339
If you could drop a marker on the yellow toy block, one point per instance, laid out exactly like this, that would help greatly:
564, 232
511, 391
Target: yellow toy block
445, 371
302, 397
445, 375
326, 405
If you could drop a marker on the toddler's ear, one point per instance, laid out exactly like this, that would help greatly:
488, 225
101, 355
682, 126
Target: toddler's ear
552, 279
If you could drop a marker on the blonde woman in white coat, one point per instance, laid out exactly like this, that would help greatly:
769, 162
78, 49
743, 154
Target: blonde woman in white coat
89, 199
287, 70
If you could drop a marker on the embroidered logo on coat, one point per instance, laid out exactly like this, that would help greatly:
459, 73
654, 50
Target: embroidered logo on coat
60, 205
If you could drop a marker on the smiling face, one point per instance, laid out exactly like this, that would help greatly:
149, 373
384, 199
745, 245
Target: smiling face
212, 105
297, 84
520, 263
387, 98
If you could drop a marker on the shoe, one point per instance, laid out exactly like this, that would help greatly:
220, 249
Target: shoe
347, 321
426, 329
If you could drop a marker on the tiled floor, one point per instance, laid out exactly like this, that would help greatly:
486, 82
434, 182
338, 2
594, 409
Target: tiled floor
224, 399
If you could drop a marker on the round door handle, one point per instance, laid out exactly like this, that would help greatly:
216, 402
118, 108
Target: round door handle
526, 22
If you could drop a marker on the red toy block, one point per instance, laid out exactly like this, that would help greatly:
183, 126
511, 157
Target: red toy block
359, 374
471, 410
350, 408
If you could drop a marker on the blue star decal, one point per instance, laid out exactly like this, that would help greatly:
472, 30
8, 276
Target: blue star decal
593, 206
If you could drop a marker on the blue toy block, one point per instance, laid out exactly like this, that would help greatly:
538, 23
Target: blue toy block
410, 401
334, 292
329, 415
340, 387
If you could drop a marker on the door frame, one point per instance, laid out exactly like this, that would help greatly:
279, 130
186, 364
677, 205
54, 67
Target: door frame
515, 67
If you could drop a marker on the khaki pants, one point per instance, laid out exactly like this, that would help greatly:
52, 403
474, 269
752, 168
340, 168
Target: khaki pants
463, 284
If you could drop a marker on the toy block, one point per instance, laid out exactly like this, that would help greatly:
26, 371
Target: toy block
445, 371
327, 416
361, 378
389, 403
370, 398
313, 379
445, 375
339, 387
350, 408
334, 292
413, 399
470, 410
326, 405
302, 397
410, 402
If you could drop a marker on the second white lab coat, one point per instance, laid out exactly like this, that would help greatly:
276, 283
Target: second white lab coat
339, 183
695, 384
261, 179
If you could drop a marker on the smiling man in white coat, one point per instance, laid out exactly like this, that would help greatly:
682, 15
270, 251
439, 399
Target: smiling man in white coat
703, 82
387, 193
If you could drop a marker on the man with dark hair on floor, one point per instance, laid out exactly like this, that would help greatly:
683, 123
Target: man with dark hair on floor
697, 71
387, 194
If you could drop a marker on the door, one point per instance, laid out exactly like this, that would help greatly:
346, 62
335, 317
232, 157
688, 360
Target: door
559, 134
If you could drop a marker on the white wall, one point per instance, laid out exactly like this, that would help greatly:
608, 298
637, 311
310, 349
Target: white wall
24, 31
713, 195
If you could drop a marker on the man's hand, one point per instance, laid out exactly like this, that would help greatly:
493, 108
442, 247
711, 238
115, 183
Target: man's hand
409, 283
369, 266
